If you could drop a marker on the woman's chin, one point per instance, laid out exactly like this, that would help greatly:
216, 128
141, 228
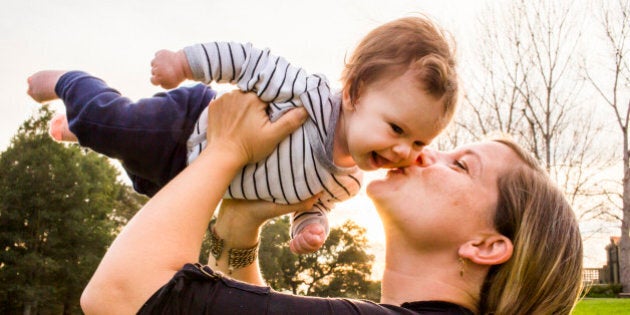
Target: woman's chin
376, 188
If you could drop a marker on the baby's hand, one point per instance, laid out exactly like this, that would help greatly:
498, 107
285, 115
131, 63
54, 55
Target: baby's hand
41, 85
309, 239
169, 69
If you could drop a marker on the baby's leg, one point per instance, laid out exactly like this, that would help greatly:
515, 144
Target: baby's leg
59, 129
148, 136
41, 87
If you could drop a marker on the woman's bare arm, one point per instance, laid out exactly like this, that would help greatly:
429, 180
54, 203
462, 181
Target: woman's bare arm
167, 232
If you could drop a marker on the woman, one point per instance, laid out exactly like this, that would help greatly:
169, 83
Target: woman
477, 230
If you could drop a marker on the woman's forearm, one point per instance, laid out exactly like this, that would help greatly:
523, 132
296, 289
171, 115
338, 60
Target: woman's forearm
167, 232
237, 232
164, 235
238, 224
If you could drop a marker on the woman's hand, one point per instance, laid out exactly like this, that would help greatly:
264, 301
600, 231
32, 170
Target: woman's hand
238, 224
238, 122
235, 215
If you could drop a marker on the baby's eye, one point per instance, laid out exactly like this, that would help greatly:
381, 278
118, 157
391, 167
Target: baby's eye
418, 144
396, 128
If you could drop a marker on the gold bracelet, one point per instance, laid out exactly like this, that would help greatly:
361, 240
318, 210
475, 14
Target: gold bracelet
216, 245
241, 257
237, 257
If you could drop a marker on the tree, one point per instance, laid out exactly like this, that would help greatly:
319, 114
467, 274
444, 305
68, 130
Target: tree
56, 206
613, 88
527, 83
341, 268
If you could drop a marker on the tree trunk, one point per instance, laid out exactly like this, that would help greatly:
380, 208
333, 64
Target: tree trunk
30, 307
624, 242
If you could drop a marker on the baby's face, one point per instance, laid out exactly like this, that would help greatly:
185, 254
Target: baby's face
390, 123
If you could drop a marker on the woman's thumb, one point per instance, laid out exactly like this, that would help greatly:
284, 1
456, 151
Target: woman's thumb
289, 122
281, 209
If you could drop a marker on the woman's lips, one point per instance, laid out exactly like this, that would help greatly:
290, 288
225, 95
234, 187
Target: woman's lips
398, 170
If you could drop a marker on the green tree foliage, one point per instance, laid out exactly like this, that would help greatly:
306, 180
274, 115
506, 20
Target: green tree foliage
341, 268
60, 207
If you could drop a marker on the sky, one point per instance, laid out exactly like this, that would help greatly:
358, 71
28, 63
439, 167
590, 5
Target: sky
116, 40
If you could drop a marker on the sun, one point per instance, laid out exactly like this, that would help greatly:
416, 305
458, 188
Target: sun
361, 210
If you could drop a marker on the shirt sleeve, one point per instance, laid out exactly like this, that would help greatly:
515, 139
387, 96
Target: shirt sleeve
251, 69
198, 289
272, 77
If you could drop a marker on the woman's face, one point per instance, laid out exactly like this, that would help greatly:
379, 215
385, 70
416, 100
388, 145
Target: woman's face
445, 197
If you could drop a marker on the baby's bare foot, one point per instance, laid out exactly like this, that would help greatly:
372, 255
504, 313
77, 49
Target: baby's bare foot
59, 129
41, 85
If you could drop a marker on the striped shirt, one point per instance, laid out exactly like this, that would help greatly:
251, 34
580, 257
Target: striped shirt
301, 165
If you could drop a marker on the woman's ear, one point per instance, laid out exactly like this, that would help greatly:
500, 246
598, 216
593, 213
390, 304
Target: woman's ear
492, 249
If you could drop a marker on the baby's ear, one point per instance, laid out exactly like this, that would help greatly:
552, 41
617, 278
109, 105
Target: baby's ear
346, 101
493, 249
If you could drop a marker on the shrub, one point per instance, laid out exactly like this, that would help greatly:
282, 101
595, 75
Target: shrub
602, 290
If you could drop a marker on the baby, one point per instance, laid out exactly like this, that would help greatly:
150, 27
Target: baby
399, 92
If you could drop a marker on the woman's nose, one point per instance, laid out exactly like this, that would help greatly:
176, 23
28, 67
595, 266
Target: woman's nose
426, 157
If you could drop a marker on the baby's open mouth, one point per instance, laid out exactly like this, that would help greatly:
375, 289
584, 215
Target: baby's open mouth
379, 161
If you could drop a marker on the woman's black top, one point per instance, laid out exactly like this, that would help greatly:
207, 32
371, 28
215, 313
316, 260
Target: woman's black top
197, 289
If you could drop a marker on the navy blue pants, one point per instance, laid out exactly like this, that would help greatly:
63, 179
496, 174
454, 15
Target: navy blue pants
148, 136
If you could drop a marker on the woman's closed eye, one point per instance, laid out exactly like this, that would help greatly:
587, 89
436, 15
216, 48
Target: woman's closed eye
461, 164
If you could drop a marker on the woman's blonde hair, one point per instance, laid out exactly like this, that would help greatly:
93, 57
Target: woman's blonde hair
411, 43
544, 274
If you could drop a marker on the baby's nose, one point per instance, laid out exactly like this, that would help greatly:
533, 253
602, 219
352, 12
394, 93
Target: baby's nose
403, 151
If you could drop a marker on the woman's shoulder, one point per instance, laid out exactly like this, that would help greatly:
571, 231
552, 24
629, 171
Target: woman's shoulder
437, 307
198, 289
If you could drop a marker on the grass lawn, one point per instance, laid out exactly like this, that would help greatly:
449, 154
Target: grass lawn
602, 307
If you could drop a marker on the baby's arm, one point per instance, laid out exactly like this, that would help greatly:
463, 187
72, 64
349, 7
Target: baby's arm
273, 78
